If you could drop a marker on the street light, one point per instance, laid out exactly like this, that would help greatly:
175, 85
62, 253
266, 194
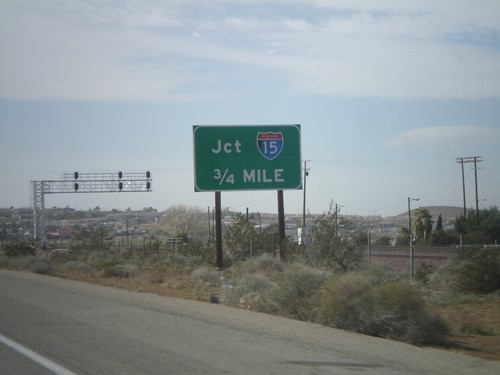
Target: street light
411, 236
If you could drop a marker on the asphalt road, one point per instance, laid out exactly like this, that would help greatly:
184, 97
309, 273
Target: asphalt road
75, 328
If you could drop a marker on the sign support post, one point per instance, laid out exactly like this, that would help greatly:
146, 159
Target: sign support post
218, 231
281, 225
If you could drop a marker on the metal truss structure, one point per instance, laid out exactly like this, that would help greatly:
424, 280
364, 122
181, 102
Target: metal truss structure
85, 182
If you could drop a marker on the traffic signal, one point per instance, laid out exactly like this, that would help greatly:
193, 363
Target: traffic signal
148, 175
76, 175
120, 175
76, 186
120, 186
148, 185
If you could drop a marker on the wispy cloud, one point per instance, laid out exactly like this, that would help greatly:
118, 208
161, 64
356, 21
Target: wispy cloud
446, 136
153, 50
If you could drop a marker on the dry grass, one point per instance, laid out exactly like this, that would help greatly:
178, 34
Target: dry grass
475, 325
177, 285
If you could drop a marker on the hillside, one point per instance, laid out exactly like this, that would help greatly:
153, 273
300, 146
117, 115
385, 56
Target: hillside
448, 213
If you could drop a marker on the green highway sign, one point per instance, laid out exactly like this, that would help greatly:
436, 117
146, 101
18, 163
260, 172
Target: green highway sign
255, 157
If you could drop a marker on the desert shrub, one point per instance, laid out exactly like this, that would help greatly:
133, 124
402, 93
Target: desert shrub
380, 273
395, 309
267, 265
41, 265
401, 313
66, 256
423, 273
156, 277
19, 249
20, 263
185, 262
254, 284
296, 291
444, 282
118, 270
264, 264
476, 272
99, 259
346, 302
479, 275
34, 264
203, 252
207, 275
475, 328
400, 297
77, 266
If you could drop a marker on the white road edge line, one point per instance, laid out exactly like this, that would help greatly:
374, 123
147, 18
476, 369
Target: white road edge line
47, 363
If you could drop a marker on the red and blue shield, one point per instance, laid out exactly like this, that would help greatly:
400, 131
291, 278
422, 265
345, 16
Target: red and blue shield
270, 144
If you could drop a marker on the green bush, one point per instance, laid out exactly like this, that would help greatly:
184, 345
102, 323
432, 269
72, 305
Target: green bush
118, 270
77, 266
346, 302
185, 262
207, 275
34, 264
400, 298
380, 273
295, 295
395, 309
254, 284
423, 273
477, 271
401, 313
264, 265
479, 275
42, 266
19, 249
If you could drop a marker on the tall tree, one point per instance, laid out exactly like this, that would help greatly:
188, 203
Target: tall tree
488, 229
422, 225
334, 241
439, 223
185, 222
238, 238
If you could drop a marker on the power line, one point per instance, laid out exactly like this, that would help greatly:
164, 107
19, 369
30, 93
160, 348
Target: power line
358, 190
380, 160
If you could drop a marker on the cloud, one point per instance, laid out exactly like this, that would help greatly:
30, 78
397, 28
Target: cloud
152, 50
446, 136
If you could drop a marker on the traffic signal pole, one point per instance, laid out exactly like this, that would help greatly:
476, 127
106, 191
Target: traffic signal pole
87, 182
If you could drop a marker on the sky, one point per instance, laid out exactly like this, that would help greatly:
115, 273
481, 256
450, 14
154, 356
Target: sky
388, 94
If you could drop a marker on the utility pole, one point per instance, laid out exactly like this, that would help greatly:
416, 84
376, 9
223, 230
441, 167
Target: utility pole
337, 219
461, 161
475, 160
411, 236
306, 173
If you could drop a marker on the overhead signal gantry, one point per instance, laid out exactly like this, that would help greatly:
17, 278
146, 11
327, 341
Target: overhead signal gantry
84, 182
